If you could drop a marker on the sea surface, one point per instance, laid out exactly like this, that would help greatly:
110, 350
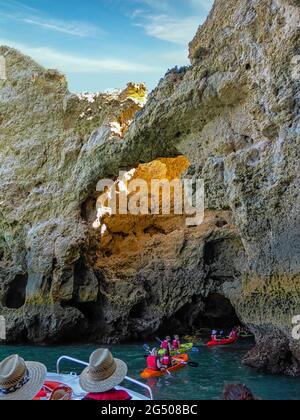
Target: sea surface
217, 367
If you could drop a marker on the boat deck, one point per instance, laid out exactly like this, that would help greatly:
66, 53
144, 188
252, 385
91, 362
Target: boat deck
72, 381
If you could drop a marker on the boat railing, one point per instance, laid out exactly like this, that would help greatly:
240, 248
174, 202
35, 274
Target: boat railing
80, 362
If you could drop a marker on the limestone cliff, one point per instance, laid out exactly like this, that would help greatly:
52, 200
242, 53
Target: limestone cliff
54, 146
234, 116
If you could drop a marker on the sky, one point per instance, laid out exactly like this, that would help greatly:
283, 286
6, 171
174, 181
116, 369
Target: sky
103, 44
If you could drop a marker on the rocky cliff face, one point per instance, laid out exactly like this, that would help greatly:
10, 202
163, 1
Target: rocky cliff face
54, 147
234, 115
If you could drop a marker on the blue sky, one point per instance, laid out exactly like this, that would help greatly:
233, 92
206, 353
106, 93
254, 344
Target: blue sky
103, 44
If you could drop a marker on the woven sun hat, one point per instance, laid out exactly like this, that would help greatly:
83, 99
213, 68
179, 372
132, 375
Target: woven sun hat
103, 373
20, 380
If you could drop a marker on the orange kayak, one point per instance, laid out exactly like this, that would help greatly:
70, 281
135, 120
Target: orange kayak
150, 373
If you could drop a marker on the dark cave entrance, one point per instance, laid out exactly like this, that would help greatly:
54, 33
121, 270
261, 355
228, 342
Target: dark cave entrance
137, 311
16, 293
202, 315
218, 313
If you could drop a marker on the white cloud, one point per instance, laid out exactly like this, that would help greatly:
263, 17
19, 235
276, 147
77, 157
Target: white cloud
163, 19
16, 6
179, 31
161, 5
68, 27
77, 64
19, 12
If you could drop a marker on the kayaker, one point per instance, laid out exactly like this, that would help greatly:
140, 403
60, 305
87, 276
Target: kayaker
166, 344
214, 335
176, 343
166, 360
101, 377
153, 361
233, 335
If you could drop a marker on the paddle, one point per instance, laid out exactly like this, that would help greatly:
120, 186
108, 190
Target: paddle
146, 347
190, 363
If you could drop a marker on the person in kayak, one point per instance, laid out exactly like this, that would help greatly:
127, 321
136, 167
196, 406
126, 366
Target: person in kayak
166, 360
233, 335
153, 361
176, 343
102, 376
166, 344
214, 335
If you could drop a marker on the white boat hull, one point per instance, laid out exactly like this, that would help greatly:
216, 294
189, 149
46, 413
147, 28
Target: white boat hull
72, 381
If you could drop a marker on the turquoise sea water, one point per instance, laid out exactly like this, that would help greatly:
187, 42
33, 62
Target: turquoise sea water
216, 368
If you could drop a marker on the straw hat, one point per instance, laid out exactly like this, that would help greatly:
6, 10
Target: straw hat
103, 373
20, 380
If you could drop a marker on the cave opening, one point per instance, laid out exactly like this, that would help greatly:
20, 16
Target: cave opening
138, 310
127, 243
130, 211
16, 293
202, 315
218, 313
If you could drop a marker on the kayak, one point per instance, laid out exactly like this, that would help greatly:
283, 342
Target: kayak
150, 373
184, 348
224, 342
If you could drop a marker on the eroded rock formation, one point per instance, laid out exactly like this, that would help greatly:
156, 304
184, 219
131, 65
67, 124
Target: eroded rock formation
54, 147
234, 115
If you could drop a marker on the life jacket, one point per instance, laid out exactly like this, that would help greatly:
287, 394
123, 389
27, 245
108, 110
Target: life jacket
166, 360
233, 335
175, 344
112, 395
152, 362
165, 345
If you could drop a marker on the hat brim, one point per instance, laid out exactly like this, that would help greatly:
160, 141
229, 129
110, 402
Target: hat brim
37, 373
95, 387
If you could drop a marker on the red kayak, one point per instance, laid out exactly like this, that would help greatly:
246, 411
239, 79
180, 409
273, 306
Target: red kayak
224, 342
